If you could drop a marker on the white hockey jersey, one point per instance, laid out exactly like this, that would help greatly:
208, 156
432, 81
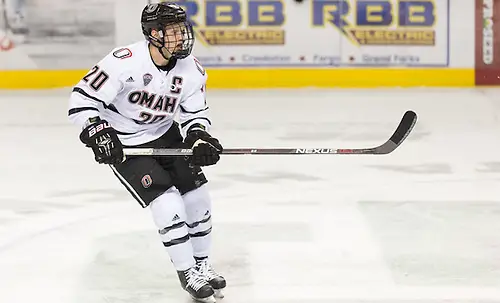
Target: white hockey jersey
139, 100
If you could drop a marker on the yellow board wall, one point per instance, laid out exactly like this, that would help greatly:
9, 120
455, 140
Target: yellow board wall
274, 78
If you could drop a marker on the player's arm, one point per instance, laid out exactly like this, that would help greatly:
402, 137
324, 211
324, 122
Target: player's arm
195, 124
93, 94
194, 111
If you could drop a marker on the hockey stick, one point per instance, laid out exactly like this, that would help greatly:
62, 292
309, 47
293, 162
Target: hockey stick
402, 131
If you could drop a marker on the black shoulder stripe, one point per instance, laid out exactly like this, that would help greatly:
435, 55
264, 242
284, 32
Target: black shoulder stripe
73, 111
195, 112
124, 134
82, 92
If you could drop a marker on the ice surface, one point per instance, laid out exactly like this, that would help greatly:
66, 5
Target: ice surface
419, 225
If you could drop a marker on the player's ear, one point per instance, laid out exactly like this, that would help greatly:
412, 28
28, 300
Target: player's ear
156, 35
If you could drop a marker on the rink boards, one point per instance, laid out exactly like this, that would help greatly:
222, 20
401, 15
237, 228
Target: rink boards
275, 78
277, 43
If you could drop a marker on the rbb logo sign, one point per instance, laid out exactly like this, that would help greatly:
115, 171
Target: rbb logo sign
231, 13
211, 19
379, 22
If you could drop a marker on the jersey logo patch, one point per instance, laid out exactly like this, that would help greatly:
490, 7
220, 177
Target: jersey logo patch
146, 181
122, 53
147, 78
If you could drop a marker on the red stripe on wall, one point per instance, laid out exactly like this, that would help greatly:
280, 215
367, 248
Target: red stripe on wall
487, 42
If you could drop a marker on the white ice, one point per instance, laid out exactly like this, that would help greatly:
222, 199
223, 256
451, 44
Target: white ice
420, 225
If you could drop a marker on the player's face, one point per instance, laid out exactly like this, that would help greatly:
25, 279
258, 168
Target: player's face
175, 35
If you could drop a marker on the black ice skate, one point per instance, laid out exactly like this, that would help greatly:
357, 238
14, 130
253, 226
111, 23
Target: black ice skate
217, 282
195, 284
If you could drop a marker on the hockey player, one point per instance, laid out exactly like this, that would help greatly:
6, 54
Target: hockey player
130, 99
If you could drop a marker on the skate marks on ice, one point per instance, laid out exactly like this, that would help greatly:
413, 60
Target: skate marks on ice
61, 200
266, 177
435, 251
128, 267
62, 206
332, 242
438, 243
438, 168
22, 220
83, 197
489, 167
419, 169
133, 266
343, 131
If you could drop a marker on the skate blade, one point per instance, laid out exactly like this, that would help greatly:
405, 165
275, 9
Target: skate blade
210, 299
218, 293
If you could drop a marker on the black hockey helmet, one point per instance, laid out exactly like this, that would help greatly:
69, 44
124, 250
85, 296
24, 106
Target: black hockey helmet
158, 16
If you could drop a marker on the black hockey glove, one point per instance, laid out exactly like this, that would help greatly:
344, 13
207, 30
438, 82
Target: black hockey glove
206, 149
103, 140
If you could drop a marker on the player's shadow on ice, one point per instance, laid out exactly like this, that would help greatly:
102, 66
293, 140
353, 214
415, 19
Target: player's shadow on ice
426, 169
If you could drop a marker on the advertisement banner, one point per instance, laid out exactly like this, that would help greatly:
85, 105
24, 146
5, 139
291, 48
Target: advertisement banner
321, 33
487, 42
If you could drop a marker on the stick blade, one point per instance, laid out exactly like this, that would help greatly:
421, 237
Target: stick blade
400, 134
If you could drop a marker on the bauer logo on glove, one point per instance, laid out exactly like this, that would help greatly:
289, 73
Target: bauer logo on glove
103, 140
94, 129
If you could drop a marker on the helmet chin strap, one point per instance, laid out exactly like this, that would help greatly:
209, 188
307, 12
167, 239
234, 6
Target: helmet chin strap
160, 49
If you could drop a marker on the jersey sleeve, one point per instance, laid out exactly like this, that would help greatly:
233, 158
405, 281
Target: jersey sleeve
95, 91
194, 111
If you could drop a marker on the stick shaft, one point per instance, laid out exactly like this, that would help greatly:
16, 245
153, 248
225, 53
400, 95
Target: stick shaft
245, 151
